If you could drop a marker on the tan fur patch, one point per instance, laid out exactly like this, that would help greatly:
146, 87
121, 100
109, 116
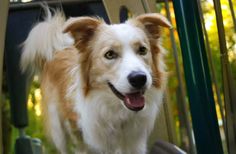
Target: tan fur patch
157, 74
82, 30
58, 72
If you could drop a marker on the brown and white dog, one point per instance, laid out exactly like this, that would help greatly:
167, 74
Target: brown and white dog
102, 85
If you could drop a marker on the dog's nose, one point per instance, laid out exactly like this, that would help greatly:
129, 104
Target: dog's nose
137, 79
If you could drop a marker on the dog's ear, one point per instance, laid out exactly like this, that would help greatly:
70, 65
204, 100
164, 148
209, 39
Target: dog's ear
82, 28
152, 23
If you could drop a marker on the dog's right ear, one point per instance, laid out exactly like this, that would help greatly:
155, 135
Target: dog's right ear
82, 28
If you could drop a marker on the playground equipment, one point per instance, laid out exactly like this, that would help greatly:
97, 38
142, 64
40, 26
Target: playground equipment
197, 74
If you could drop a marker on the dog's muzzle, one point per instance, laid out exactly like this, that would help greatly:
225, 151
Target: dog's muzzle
134, 100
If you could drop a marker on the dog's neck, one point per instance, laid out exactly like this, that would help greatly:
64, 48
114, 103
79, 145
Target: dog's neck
104, 117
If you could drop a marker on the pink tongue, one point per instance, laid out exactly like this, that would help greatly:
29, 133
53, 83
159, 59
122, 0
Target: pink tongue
134, 101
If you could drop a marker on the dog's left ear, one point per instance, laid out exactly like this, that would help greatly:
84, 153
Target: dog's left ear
152, 23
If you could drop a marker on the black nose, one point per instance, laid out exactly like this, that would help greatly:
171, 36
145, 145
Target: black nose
137, 79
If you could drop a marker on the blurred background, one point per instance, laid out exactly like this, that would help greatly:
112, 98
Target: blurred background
175, 123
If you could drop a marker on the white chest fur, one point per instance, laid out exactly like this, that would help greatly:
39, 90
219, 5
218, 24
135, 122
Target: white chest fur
109, 127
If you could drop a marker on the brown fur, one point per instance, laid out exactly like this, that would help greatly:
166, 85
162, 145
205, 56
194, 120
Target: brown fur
83, 29
57, 74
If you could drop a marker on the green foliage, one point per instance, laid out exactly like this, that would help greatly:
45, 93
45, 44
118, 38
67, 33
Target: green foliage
210, 19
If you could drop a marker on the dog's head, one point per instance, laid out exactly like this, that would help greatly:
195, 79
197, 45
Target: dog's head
125, 58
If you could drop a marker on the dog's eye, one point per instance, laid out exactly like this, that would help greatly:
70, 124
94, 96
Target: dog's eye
142, 50
110, 55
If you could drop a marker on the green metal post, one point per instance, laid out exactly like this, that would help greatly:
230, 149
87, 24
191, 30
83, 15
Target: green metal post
202, 106
182, 103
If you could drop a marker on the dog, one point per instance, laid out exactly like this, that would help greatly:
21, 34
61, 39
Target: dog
102, 85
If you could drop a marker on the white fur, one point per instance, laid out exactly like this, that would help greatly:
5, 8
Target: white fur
130, 60
127, 131
107, 126
56, 131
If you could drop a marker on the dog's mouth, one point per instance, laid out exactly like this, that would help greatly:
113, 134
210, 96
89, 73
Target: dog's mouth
133, 101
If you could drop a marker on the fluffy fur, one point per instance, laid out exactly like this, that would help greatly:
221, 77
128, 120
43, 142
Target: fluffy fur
79, 106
